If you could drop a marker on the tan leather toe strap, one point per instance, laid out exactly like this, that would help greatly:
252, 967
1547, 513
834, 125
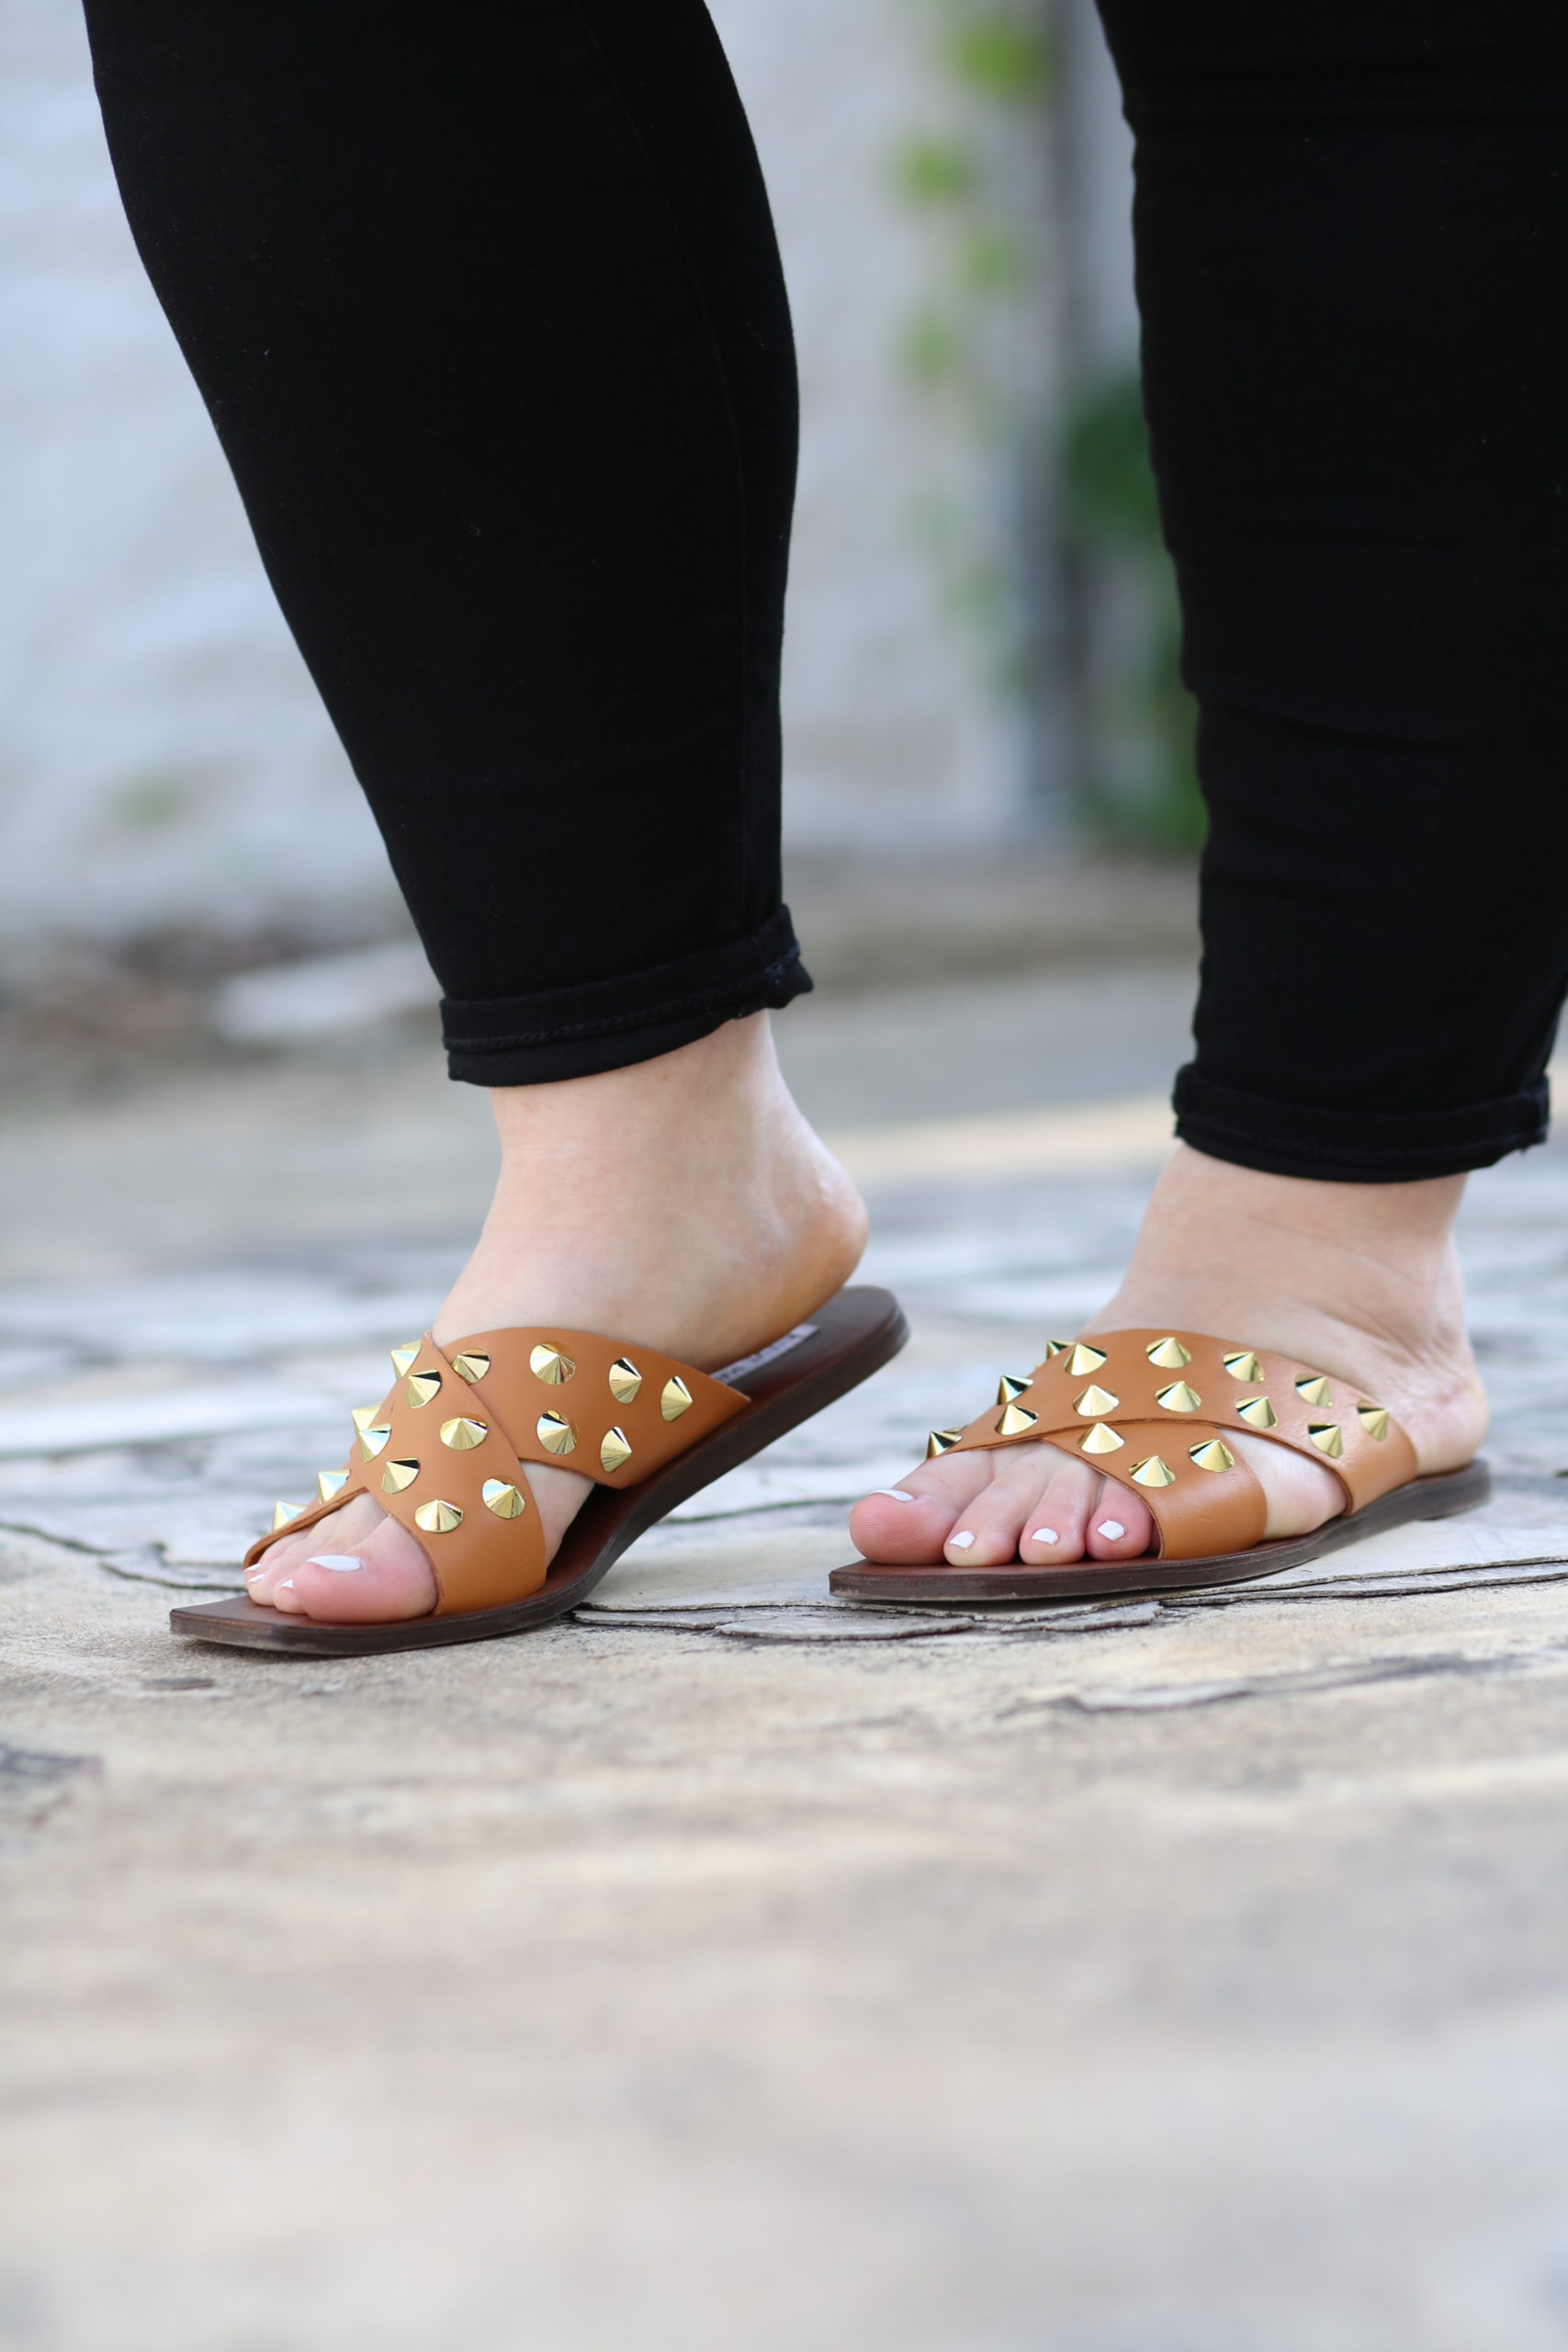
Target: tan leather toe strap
445, 1451
1154, 1409
1202, 1497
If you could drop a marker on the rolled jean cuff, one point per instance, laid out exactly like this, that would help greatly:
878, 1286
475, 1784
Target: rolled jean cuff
609, 1024
1354, 1146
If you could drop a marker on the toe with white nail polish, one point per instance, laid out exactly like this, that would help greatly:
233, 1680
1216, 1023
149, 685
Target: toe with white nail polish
896, 1494
1045, 1535
961, 1543
342, 1563
1111, 1529
286, 1586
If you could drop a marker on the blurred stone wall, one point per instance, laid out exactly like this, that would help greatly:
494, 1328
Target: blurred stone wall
163, 758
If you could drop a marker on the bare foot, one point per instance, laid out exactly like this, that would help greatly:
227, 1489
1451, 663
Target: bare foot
683, 1202
1361, 1279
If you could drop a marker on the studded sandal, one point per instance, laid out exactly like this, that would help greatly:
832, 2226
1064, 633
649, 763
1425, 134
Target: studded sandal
445, 1452
1153, 1411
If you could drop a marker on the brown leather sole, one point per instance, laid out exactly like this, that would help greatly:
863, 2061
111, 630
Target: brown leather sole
1440, 1497
853, 1335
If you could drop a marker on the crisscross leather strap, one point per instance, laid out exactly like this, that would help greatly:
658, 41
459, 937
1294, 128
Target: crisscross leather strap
1154, 1410
444, 1452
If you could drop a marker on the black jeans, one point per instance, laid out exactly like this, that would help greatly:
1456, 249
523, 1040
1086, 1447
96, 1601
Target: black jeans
1352, 239
484, 297
486, 305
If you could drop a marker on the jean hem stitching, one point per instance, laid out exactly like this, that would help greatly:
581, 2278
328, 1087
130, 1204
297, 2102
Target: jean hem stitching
709, 1000
1395, 1157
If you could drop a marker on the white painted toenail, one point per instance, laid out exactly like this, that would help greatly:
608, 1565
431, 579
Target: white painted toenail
340, 1562
286, 1586
961, 1543
1045, 1535
896, 1493
1111, 1529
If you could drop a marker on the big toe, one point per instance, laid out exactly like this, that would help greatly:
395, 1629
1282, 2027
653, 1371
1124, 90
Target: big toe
342, 1529
909, 1523
385, 1578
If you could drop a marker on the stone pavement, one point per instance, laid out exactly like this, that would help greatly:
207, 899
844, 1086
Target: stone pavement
728, 1965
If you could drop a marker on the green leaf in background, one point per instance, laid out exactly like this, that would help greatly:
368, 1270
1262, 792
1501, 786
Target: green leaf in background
1108, 484
1141, 791
937, 171
1001, 54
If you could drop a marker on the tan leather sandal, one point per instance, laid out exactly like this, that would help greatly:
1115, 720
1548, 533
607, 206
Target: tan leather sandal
444, 1452
1153, 1411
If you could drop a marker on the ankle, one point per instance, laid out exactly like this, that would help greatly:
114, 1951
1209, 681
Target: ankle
1362, 1279
684, 1201
728, 1085
1377, 1258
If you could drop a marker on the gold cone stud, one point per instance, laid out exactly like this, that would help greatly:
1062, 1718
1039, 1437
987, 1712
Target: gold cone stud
504, 1501
1179, 1397
552, 1365
462, 1435
421, 1388
1258, 1412
1055, 1348
1374, 1419
374, 1441
942, 1442
1242, 1364
626, 1381
438, 1518
330, 1483
1011, 1388
1326, 1437
1094, 1402
1213, 1455
471, 1365
397, 1475
555, 1433
1015, 1420
1101, 1439
404, 1360
1084, 1360
283, 1512
1152, 1472
364, 1416
1314, 1390
614, 1451
676, 1400
1169, 1354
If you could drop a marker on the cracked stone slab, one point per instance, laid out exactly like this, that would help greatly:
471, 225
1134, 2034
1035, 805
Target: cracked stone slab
1178, 1972
1354, 1674
1163, 1976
